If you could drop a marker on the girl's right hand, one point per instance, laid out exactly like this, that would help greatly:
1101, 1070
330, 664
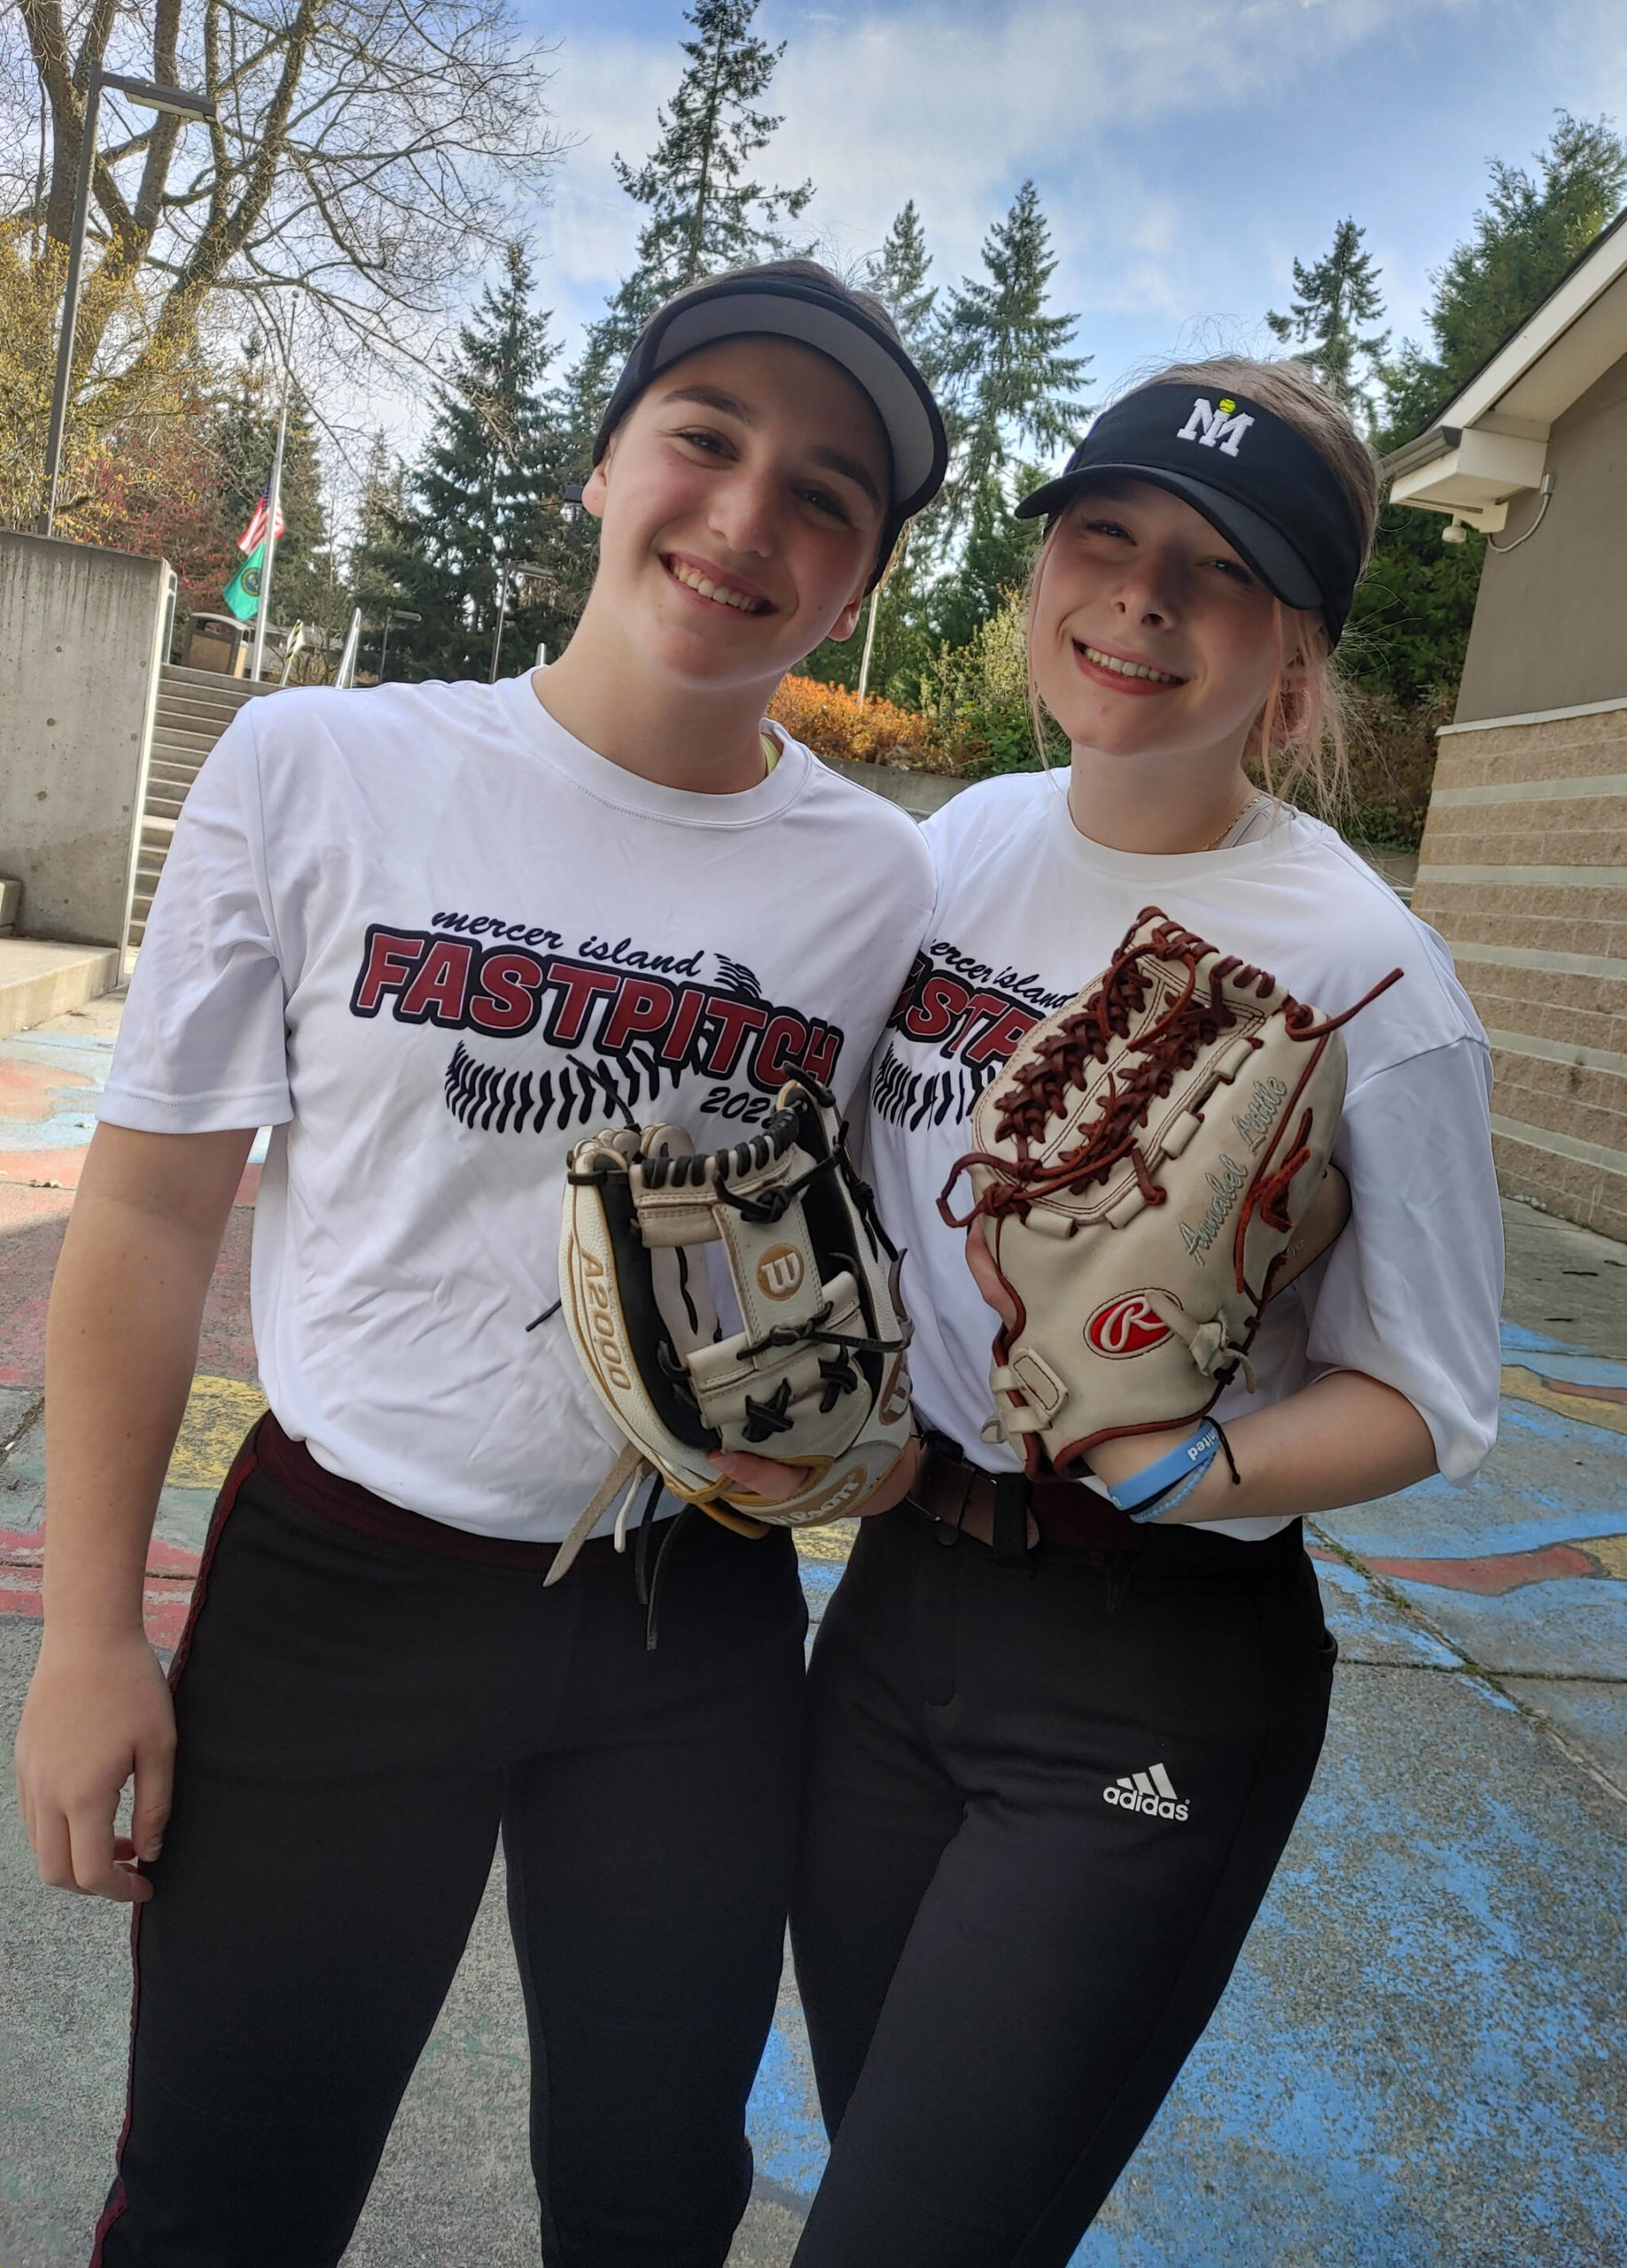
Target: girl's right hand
97, 1711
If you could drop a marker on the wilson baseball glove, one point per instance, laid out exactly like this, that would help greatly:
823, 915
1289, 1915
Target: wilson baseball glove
815, 1375
1149, 1167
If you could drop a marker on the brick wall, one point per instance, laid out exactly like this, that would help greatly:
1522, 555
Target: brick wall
1523, 871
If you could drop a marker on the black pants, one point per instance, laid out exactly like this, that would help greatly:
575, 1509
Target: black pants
1044, 1805
357, 1722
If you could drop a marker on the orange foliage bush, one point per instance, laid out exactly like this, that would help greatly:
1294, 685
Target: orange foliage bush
831, 722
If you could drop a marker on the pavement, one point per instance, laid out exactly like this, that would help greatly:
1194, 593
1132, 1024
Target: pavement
1420, 2059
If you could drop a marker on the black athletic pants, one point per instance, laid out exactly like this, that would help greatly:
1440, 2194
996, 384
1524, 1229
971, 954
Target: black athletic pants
1044, 1805
358, 1721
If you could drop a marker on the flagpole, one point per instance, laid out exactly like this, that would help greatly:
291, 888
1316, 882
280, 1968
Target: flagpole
273, 497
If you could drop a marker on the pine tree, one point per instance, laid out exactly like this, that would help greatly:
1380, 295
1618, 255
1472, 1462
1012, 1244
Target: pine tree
897, 275
1529, 231
706, 211
381, 506
1008, 380
1008, 376
378, 561
1337, 295
1410, 622
486, 491
903, 646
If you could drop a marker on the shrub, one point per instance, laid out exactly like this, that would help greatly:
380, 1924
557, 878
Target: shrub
976, 695
832, 722
1392, 764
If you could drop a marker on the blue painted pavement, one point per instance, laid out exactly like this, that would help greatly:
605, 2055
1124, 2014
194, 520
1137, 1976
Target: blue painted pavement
1421, 2058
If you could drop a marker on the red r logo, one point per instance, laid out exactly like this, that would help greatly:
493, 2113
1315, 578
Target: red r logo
1128, 1325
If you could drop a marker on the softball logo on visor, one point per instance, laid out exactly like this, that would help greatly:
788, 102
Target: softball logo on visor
1128, 1325
1222, 428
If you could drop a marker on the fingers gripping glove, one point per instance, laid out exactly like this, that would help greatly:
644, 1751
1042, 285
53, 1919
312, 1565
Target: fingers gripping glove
1149, 1167
815, 1376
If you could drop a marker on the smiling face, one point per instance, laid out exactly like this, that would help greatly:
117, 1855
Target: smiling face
742, 499
1150, 636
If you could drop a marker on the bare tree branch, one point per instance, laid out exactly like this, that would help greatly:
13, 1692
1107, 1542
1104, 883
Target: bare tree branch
366, 156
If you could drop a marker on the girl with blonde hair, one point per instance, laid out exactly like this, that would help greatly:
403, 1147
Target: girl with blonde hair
1004, 1964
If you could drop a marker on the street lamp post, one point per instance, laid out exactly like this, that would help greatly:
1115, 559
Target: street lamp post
516, 571
177, 104
393, 614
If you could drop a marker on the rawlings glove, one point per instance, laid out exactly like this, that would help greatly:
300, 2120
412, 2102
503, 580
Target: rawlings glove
1150, 1167
815, 1376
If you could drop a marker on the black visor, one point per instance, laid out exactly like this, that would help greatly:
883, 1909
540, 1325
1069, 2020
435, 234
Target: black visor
1273, 495
754, 304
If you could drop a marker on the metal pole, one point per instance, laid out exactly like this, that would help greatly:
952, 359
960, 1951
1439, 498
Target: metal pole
70, 304
347, 659
869, 641
273, 497
503, 595
384, 650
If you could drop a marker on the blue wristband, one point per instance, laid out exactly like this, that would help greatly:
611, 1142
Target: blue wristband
1163, 1506
1189, 1460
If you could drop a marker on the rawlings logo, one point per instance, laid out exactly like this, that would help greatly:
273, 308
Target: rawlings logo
1128, 1325
779, 1272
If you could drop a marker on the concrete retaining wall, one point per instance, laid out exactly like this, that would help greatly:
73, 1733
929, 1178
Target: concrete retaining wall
920, 793
80, 636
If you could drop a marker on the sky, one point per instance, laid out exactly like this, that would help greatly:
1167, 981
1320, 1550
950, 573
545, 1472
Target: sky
1185, 150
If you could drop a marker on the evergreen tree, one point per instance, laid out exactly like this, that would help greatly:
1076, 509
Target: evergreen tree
380, 509
377, 561
242, 435
897, 275
1008, 380
999, 360
1409, 623
1337, 295
1529, 231
705, 210
903, 644
485, 493
1008, 376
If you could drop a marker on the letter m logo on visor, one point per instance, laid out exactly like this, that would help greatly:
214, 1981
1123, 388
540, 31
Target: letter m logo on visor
1211, 428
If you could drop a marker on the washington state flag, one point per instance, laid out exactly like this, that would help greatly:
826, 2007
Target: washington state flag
242, 593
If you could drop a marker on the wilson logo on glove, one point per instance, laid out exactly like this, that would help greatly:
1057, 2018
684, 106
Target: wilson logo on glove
1107, 1154
780, 1271
1126, 1325
813, 1378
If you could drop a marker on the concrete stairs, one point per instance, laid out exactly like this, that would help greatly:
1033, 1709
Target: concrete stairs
194, 709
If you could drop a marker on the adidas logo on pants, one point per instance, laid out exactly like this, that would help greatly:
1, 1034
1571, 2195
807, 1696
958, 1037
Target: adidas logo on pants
1149, 1792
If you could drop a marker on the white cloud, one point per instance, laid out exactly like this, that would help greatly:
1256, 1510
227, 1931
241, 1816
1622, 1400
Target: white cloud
954, 107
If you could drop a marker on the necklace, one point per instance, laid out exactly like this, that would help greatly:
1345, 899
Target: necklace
1236, 820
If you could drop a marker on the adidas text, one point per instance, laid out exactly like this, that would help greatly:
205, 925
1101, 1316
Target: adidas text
1150, 1791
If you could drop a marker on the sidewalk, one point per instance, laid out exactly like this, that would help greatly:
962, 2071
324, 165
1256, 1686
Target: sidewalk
1420, 2062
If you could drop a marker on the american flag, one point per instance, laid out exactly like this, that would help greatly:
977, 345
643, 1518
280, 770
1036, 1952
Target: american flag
254, 533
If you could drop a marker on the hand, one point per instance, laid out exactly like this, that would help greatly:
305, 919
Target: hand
988, 1276
97, 1711
766, 1477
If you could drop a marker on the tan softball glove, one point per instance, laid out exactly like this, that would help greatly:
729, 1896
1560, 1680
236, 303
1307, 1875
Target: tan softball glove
1148, 1168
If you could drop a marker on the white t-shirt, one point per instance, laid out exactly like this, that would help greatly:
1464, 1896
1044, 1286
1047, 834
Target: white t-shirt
433, 941
1029, 911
